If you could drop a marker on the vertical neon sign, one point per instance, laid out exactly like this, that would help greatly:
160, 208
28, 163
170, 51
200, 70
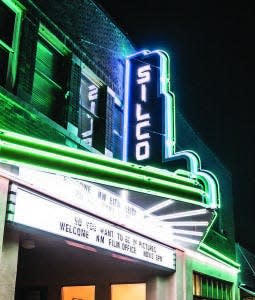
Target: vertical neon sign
149, 129
149, 120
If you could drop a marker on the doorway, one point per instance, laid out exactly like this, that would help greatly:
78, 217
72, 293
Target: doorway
59, 269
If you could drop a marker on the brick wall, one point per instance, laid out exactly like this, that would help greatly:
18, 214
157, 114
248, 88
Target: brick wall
92, 38
93, 31
20, 117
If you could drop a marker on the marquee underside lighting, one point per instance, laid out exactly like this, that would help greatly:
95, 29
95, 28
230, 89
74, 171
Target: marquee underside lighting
159, 206
209, 251
96, 199
187, 240
187, 232
188, 223
183, 214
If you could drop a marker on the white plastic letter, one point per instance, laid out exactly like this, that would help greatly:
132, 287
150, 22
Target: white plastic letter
93, 92
144, 74
139, 115
142, 150
143, 93
139, 135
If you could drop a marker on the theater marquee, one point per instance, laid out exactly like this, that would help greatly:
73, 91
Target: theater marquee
37, 211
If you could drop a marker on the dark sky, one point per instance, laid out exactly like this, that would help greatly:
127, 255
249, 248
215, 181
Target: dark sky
212, 53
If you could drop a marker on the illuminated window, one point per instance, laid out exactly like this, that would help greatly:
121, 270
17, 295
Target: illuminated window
89, 95
50, 77
92, 110
85, 292
10, 21
206, 287
135, 291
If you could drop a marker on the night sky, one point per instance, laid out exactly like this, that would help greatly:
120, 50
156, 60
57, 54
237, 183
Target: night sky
212, 53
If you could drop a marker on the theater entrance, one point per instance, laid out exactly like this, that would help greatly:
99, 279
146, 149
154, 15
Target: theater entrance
51, 267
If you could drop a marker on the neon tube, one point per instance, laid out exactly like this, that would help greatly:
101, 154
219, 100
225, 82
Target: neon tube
212, 261
43, 145
96, 172
183, 214
159, 206
207, 250
187, 232
188, 223
187, 240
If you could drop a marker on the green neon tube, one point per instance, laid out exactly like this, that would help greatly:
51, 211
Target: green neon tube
209, 251
96, 172
94, 158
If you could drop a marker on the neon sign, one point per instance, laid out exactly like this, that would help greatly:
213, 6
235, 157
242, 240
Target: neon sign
146, 101
149, 121
142, 145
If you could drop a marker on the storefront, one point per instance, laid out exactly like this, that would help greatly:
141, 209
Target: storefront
98, 197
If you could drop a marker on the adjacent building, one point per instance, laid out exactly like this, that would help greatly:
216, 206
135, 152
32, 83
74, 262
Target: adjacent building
106, 191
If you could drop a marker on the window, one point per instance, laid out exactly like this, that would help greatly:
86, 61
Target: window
89, 94
85, 292
50, 77
10, 21
206, 287
92, 110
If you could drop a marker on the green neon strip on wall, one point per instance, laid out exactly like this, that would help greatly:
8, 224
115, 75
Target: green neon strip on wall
215, 215
209, 251
94, 158
96, 171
